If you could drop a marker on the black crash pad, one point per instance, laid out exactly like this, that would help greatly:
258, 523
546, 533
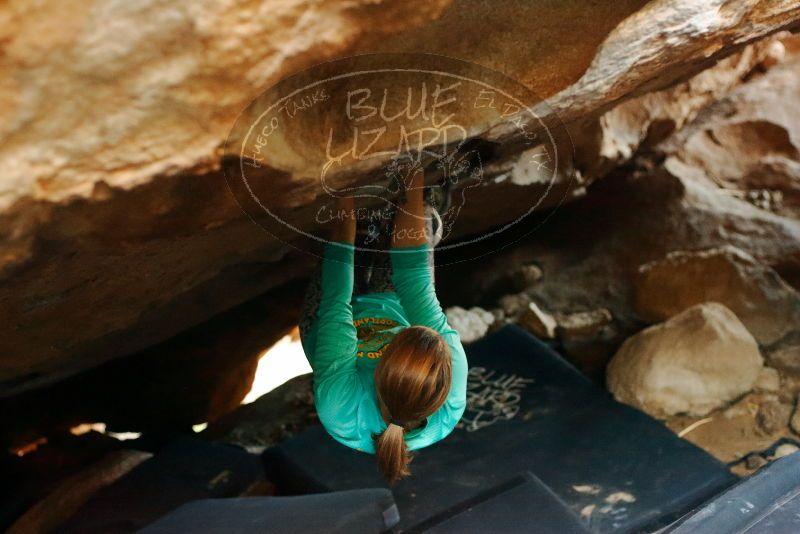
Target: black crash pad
767, 502
497, 511
184, 470
367, 511
529, 410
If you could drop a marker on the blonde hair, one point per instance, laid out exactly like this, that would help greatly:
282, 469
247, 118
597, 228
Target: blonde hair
412, 381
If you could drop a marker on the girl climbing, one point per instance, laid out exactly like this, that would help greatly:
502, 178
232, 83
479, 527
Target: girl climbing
390, 374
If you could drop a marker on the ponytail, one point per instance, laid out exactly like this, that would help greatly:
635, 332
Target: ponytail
392, 452
412, 381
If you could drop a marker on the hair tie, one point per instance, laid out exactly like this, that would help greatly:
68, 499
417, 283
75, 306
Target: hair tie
397, 422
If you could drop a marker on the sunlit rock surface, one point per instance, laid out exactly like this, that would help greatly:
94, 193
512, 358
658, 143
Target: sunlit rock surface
693, 363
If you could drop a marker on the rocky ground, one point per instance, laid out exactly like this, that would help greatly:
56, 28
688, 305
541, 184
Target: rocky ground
674, 281
700, 372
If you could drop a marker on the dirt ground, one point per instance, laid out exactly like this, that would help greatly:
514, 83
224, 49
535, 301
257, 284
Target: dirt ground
746, 431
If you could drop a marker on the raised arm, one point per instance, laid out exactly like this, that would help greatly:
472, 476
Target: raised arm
411, 277
411, 273
336, 386
409, 222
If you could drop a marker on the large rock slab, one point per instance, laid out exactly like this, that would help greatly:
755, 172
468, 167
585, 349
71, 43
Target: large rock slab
696, 362
748, 141
116, 229
70, 494
767, 305
746, 86
195, 377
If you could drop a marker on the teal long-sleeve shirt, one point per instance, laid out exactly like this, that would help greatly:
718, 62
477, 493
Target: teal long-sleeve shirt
346, 341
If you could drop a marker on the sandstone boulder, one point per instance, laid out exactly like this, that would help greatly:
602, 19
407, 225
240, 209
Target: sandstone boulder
693, 363
785, 450
582, 324
471, 324
747, 141
514, 304
739, 90
538, 321
767, 305
525, 276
